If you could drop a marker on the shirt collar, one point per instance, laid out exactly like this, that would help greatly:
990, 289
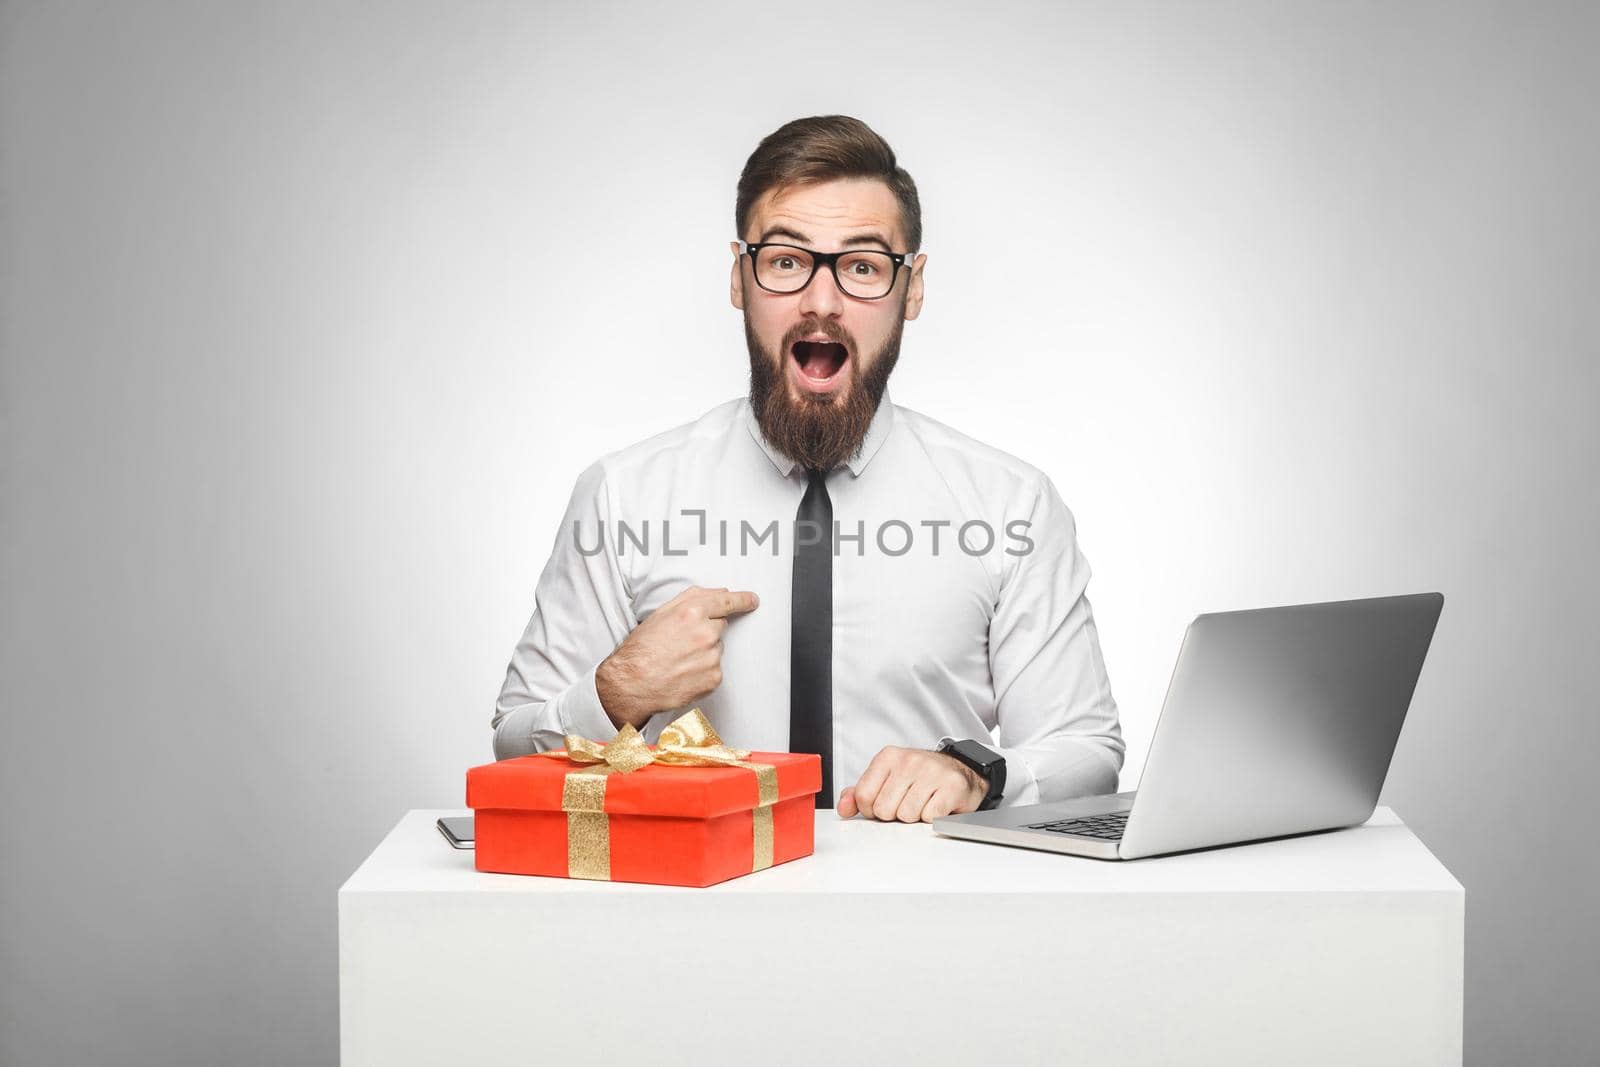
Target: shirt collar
877, 431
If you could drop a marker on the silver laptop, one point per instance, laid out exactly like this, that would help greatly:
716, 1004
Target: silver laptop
1277, 721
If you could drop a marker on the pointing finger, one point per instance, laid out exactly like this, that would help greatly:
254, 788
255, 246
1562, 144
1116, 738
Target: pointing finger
726, 602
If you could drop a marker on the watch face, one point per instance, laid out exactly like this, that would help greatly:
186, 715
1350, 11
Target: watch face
981, 757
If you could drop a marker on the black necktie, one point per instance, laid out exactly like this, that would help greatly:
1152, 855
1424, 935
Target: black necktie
811, 632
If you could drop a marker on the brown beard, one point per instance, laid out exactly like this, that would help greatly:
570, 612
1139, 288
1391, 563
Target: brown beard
817, 430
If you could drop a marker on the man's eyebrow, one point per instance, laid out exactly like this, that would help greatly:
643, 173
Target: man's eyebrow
848, 242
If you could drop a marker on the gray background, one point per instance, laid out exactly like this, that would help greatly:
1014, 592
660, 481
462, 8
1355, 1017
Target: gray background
311, 314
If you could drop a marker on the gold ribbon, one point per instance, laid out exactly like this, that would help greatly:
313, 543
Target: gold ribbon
688, 741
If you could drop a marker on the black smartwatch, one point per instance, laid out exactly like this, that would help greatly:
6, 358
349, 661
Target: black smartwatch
990, 766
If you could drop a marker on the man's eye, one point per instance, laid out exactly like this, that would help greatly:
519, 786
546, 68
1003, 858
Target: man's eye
784, 262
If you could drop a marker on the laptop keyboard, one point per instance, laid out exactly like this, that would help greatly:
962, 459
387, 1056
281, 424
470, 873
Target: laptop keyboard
1105, 827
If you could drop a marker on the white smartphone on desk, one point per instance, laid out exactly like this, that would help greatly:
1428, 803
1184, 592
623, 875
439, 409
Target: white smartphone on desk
457, 829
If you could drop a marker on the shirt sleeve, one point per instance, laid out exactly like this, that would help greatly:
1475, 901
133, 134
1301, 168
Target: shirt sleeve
1056, 719
582, 611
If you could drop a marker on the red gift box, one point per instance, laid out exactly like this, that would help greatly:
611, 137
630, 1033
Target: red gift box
691, 811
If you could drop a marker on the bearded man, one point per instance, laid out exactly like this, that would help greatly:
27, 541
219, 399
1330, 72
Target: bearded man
815, 567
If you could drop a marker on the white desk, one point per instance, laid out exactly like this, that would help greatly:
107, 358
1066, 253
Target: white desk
893, 945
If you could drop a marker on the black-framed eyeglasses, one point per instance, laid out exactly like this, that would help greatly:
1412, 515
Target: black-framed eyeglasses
864, 273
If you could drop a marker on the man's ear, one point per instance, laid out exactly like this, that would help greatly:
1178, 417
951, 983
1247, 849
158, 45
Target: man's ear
736, 281
914, 290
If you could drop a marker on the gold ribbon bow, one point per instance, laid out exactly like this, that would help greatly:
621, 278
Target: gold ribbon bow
688, 741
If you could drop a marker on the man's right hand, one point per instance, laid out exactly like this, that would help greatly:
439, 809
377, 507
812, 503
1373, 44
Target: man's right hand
671, 659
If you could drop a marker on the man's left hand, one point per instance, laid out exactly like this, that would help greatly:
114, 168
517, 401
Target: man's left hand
912, 785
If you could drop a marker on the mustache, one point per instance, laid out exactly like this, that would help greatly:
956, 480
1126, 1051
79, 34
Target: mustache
831, 330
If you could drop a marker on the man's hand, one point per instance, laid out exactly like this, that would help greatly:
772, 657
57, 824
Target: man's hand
912, 785
672, 658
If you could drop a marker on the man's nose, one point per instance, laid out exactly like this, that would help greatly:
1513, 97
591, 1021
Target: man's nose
821, 296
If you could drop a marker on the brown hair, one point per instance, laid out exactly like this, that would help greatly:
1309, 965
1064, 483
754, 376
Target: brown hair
823, 148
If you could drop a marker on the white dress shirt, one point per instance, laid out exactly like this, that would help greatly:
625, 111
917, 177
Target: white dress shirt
932, 638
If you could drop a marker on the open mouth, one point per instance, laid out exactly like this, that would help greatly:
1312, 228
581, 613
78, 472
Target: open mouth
819, 361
